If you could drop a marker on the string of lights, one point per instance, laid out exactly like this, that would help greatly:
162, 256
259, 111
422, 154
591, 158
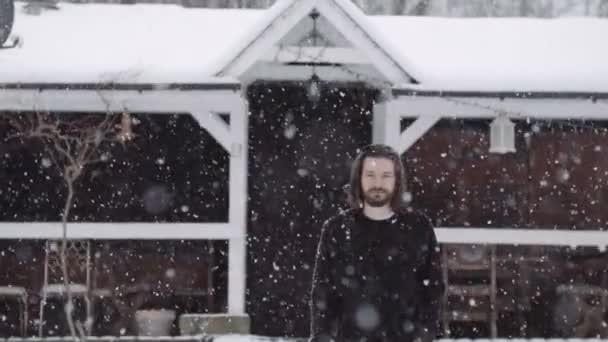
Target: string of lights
580, 123
528, 117
320, 58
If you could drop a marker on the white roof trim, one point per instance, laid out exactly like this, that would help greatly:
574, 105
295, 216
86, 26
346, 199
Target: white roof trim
352, 23
522, 108
376, 37
284, 15
345, 17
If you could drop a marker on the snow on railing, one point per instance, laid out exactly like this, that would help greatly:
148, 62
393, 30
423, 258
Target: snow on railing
522, 237
259, 338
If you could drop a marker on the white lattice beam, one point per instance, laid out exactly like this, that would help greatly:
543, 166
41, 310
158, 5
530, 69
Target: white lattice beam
203, 105
490, 107
217, 127
333, 55
148, 101
415, 131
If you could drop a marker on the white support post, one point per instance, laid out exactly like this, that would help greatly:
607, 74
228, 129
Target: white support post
237, 215
415, 131
215, 126
386, 124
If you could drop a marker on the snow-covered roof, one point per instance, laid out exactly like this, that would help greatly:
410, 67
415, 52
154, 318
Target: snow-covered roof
144, 43
502, 54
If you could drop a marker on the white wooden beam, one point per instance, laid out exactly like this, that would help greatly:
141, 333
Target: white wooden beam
522, 237
149, 101
386, 124
281, 72
201, 104
487, 108
217, 127
335, 55
227, 231
300, 34
415, 131
237, 212
120, 230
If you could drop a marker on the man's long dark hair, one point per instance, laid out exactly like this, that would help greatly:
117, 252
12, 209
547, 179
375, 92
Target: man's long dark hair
355, 193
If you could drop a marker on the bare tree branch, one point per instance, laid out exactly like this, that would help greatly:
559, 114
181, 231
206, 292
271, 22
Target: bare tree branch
72, 141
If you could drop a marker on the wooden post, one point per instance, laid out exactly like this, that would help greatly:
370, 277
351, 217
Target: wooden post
386, 124
237, 255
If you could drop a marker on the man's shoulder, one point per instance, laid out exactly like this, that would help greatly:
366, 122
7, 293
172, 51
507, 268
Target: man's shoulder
336, 227
341, 219
414, 214
416, 219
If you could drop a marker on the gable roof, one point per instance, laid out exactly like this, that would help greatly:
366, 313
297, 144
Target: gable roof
501, 54
348, 19
153, 44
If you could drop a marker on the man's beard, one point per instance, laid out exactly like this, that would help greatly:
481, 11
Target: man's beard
376, 197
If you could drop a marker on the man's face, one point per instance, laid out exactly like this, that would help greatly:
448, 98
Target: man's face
378, 181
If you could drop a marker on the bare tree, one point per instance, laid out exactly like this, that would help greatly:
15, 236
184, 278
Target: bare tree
417, 7
72, 142
511, 8
602, 10
395, 7
7, 13
398, 7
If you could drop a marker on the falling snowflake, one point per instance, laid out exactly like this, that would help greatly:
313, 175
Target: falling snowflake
367, 317
46, 162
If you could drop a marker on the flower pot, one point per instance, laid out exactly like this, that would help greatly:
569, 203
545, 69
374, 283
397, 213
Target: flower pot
154, 322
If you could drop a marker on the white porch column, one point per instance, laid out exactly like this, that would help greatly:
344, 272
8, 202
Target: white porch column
386, 124
237, 212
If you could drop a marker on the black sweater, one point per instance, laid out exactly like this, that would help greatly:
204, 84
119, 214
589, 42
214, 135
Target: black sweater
380, 280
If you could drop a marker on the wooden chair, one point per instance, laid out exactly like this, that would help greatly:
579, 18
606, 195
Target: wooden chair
469, 272
20, 294
14, 289
78, 259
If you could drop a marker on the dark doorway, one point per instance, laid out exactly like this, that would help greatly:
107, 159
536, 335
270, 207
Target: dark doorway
299, 160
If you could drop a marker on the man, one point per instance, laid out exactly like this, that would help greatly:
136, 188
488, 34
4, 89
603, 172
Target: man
377, 274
